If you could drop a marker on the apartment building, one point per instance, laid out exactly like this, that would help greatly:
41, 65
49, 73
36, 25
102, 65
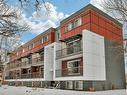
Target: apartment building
83, 53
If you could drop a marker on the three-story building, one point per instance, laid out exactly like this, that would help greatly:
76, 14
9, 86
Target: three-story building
85, 52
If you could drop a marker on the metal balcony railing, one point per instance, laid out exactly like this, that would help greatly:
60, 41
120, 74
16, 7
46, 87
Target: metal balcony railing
35, 61
38, 60
32, 75
9, 77
26, 63
75, 71
37, 75
26, 76
68, 51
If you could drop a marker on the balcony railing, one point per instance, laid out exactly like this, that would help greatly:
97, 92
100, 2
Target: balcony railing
32, 75
75, 71
38, 61
35, 61
9, 77
27, 76
37, 75
26, 63
72, 50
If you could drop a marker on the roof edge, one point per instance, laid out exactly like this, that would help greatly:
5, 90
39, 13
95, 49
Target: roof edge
90, 6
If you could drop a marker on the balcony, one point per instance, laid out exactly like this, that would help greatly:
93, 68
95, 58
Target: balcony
26, 76
26, 63
35, 61
9, 77
18, 65
37, 75
70, 51
38, 61
11, 66
69, 72
32, 75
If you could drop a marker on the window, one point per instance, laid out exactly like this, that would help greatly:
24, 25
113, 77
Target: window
42, 40
23, 50
17, 53
73, 24
32, 45
69, 84
73, 67
79, 85
74, 46
58, 35
77, 22
45, 39
69, 27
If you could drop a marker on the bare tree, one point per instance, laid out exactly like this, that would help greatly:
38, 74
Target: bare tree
10, 27
117, 7
34, 3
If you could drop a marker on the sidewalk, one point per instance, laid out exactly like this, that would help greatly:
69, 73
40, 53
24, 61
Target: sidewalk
10, 90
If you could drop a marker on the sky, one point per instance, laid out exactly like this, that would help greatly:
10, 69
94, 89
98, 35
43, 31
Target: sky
60, 9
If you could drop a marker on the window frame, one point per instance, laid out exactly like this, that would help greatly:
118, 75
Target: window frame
73, 24
45, 40
73, 67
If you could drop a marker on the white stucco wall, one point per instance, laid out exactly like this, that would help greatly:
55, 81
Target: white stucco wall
48, 62
93, 56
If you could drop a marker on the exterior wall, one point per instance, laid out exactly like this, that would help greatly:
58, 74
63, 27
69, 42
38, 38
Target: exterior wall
115, 69
93, 56
37, 41
49, 62
85, 17
105, 27
115, 66
93, 20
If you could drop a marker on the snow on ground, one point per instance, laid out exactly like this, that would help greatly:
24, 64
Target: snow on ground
11, 90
